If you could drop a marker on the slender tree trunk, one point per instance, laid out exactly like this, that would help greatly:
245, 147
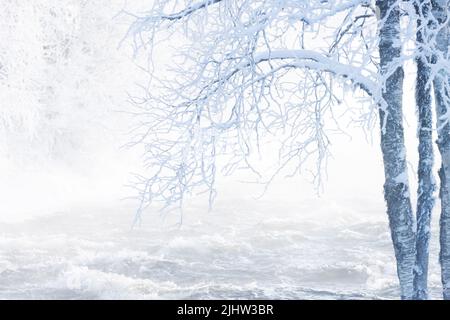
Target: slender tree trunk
426, 183
443, 143
441, 93
396, 186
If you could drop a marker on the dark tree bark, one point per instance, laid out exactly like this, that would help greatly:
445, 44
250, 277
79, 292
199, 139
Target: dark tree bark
396, 187
441, 93
426, 184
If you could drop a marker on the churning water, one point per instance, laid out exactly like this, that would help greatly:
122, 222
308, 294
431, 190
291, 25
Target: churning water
240, 250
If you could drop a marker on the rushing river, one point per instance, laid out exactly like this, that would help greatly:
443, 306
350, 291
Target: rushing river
240, 250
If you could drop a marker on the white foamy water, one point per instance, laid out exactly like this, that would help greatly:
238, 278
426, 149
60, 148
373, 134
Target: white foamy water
237, 251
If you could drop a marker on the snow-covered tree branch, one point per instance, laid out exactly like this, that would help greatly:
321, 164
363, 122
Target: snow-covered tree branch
233, 81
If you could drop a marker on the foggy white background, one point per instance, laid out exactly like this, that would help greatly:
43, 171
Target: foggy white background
65, 228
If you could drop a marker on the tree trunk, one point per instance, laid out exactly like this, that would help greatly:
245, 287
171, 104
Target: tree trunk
441, 93
443, 143
396, 186
426, 183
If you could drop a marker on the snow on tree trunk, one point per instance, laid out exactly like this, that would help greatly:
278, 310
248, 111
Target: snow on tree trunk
441, 93
396, 189
443, 143
426, 183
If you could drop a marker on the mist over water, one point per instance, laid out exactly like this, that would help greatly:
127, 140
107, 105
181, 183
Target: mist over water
240, 250
289, 244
